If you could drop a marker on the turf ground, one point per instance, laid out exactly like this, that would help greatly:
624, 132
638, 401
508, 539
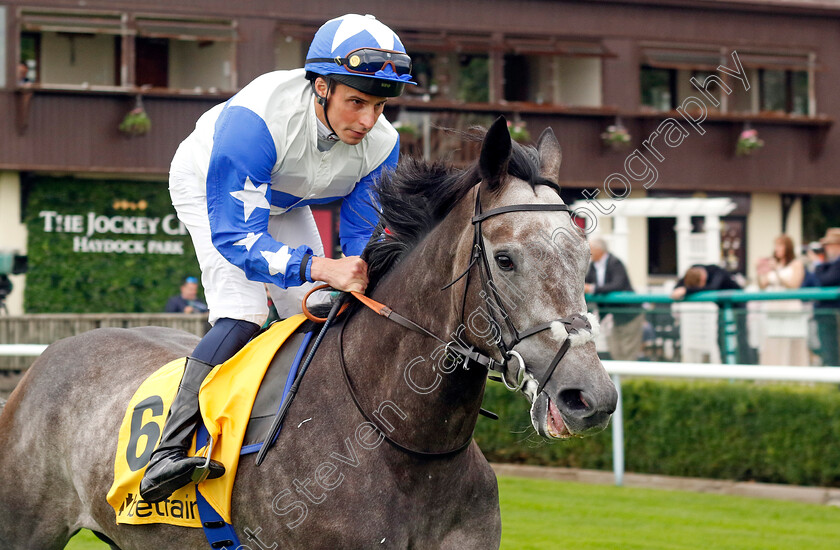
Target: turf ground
551, 515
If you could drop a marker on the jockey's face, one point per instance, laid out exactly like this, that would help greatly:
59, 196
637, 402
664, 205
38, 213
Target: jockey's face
351, 113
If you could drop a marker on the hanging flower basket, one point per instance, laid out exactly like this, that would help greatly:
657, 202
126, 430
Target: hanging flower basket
616, 137
748, 143
136, 123
519, 132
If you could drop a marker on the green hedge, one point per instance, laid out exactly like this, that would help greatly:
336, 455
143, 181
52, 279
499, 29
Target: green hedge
775, 433
63, 281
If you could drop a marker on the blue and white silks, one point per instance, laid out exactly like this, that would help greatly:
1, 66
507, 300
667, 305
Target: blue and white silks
259, 157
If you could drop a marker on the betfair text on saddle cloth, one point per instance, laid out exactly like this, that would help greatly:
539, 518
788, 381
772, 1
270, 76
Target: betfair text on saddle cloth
242, 184
226, 396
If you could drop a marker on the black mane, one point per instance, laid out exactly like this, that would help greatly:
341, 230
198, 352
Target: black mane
418, 195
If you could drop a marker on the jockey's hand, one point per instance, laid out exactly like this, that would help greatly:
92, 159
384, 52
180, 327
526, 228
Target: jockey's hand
347, 274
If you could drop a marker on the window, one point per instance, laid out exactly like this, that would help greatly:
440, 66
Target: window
429, 71
473, 78
782, 83
779, 82
658, 88
185, 54
291, 44
71, 48
289, 52
547, 69
30, 52
783, 91
557, 79
578, 81
90, 50
666, 73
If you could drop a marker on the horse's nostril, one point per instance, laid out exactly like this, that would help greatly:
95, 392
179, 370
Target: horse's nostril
573, 399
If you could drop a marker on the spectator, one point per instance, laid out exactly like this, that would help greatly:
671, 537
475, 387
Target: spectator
825, 312
187, 301
785, 332
713, 277
814, 256
703, 277
607, 274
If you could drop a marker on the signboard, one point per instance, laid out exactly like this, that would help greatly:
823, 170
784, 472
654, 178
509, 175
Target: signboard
130, 230
103, 246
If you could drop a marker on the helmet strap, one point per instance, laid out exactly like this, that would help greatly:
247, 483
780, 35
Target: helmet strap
323, 100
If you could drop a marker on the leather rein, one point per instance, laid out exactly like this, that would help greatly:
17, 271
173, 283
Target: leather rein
572, 324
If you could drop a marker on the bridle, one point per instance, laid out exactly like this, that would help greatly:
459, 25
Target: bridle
572, 324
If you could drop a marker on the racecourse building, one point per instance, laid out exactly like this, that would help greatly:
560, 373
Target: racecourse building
654, 99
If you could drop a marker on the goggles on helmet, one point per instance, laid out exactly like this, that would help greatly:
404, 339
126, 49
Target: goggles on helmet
369, 61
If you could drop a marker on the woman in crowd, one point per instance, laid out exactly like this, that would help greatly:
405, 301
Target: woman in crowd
785, 321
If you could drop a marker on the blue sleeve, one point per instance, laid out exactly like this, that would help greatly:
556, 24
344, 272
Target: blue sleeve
359, 211
238, 200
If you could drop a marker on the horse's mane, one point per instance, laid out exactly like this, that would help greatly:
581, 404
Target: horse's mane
418, 195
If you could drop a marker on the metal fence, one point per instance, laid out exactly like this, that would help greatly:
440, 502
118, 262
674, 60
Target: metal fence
733, 327
44, 329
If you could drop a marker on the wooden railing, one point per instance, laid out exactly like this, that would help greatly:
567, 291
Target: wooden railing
49, 327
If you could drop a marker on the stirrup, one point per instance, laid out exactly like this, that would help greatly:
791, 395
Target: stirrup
201, 472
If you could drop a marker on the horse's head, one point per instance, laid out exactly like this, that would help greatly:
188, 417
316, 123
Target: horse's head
532, 262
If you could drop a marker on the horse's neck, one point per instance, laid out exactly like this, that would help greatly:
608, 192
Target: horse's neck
388, 362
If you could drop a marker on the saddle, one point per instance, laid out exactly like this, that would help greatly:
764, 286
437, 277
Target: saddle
238, 399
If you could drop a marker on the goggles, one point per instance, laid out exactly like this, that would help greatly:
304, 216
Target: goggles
369, 61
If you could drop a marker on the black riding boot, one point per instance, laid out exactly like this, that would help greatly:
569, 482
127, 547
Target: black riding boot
170, 468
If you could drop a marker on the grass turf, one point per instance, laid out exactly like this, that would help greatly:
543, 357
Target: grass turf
547, 515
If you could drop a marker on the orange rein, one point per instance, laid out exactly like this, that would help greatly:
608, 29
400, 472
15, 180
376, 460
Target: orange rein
381, 309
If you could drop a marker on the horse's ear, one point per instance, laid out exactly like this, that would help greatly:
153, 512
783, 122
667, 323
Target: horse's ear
550, 155
495, 153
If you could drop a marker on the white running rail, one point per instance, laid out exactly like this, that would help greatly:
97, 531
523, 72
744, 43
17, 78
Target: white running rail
18, 350
617, 369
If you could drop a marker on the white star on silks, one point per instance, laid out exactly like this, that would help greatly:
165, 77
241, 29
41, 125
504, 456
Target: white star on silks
252, 197
277, 260
353, 24
248, 241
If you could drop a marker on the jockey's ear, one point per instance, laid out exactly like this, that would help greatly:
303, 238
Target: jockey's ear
550, 155
322, 86
495, 153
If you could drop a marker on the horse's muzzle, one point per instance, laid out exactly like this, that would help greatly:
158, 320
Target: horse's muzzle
572, 413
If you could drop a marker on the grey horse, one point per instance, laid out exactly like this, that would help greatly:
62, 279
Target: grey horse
376, 449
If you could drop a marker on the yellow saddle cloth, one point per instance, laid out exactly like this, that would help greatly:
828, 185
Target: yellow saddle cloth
225, 398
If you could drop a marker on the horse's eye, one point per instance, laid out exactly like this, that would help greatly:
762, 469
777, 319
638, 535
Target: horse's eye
504, 262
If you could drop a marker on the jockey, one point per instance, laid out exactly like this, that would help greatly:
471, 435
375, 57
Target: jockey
242, 184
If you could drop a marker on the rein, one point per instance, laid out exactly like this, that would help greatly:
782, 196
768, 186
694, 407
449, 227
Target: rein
389, 439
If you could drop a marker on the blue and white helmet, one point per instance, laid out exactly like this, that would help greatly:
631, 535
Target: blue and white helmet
361, 52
